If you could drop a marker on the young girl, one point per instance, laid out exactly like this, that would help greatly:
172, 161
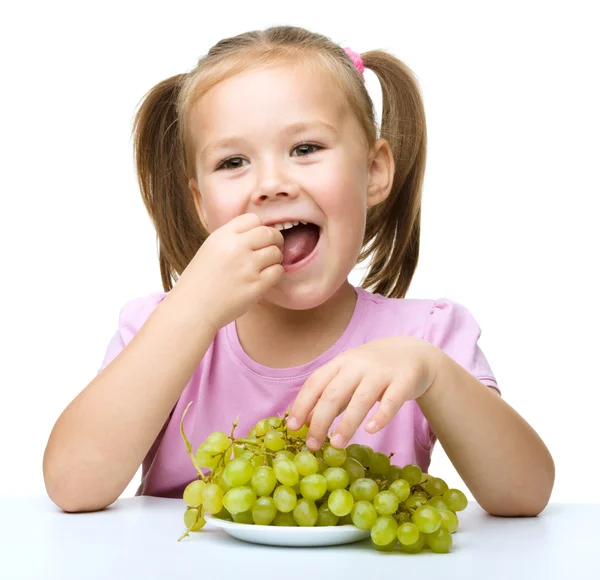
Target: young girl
267, 183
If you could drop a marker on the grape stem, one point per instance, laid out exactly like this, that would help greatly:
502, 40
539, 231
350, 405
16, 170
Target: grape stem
188, 445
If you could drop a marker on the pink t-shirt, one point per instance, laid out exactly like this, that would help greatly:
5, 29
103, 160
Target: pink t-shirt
227, 382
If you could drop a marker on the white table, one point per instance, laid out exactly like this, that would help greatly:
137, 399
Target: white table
137, 538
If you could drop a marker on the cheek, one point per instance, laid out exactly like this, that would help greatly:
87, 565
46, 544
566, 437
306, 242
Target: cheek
222, 202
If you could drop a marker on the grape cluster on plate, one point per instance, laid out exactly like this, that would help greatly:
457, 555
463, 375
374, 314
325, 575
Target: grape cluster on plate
271, 478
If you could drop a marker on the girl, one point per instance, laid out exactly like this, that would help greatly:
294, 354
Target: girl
267, 183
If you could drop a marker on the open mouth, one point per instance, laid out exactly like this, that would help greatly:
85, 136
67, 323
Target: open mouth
299, 241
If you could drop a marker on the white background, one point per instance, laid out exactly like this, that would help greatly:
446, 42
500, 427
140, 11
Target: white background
510, 208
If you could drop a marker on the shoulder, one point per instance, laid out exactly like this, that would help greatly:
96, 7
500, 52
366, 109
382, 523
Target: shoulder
135, 312
427, 318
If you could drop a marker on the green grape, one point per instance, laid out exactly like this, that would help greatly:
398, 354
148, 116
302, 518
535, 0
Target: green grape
300, 433
193, 520
427, 519
340, 502
345, 520
306, 463
408, 533
284, 453
412, 474
257, 460
387, 548
438, 503
252, 432
323, 467
284, 519
313, 486
275, 422
243, 517
263, 511
421, 493
364, 515
238, 472
206, 458
212, 498
354, 468
424, 477
435, 486
384, 530
285, 498
364, 488
286, 472
358, 452
386, 503
440, 541
394, 473
449, 520
417, 546
326, 517
455, 499
306, 513
238, 450
219, 441
274, 441
192, 494
263, 480
224, 515
401, 488
380, 463
334, 457
336, 478
261, 428
238, 499
414, 501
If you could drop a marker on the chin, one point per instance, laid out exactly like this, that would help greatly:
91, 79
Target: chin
297, 295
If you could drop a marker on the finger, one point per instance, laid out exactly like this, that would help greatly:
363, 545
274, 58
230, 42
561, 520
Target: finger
264, 236
244, 223
363, 399
309, 394
391, 402
332, 402
266, 257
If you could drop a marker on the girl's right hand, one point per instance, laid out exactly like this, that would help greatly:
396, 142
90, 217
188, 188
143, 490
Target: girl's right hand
236, 265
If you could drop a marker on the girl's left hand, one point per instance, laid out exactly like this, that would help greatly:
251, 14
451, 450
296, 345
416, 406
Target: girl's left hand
391, 370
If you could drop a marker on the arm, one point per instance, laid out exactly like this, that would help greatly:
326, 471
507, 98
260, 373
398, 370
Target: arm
500, 457
102, 437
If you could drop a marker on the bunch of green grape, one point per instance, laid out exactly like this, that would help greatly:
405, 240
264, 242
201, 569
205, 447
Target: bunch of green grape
271, 478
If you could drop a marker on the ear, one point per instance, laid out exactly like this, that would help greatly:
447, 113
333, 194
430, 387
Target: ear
381, 172
193, 185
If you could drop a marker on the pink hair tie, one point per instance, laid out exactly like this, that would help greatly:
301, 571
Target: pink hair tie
356, 59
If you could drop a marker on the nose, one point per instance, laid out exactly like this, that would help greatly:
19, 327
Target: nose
274, 183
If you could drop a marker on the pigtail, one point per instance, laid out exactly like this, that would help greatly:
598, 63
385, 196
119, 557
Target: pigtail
393, 226
159, 158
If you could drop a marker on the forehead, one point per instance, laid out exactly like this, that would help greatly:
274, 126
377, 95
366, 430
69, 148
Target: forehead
264, 97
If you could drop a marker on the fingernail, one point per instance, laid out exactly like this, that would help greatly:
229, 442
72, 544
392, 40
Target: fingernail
312, 443
371, 426
338, 441
292, 423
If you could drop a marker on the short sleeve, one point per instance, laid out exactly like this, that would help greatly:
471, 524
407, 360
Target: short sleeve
131, 318
452, 328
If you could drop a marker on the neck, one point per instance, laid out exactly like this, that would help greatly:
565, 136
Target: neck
281, 338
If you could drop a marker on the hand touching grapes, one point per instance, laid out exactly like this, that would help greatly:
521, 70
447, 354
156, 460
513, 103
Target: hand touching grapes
391, 370
236, 265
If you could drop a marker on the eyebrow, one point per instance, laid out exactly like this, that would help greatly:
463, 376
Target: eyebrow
292, 129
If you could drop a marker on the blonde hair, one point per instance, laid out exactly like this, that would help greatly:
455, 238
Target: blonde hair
164, 149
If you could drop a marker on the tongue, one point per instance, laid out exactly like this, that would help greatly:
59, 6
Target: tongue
299, 242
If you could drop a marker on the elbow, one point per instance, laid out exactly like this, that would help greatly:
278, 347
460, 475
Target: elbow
70, 493
529, 499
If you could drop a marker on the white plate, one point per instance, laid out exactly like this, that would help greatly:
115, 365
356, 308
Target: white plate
291, 535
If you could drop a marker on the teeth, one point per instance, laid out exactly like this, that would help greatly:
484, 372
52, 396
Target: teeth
287, 225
